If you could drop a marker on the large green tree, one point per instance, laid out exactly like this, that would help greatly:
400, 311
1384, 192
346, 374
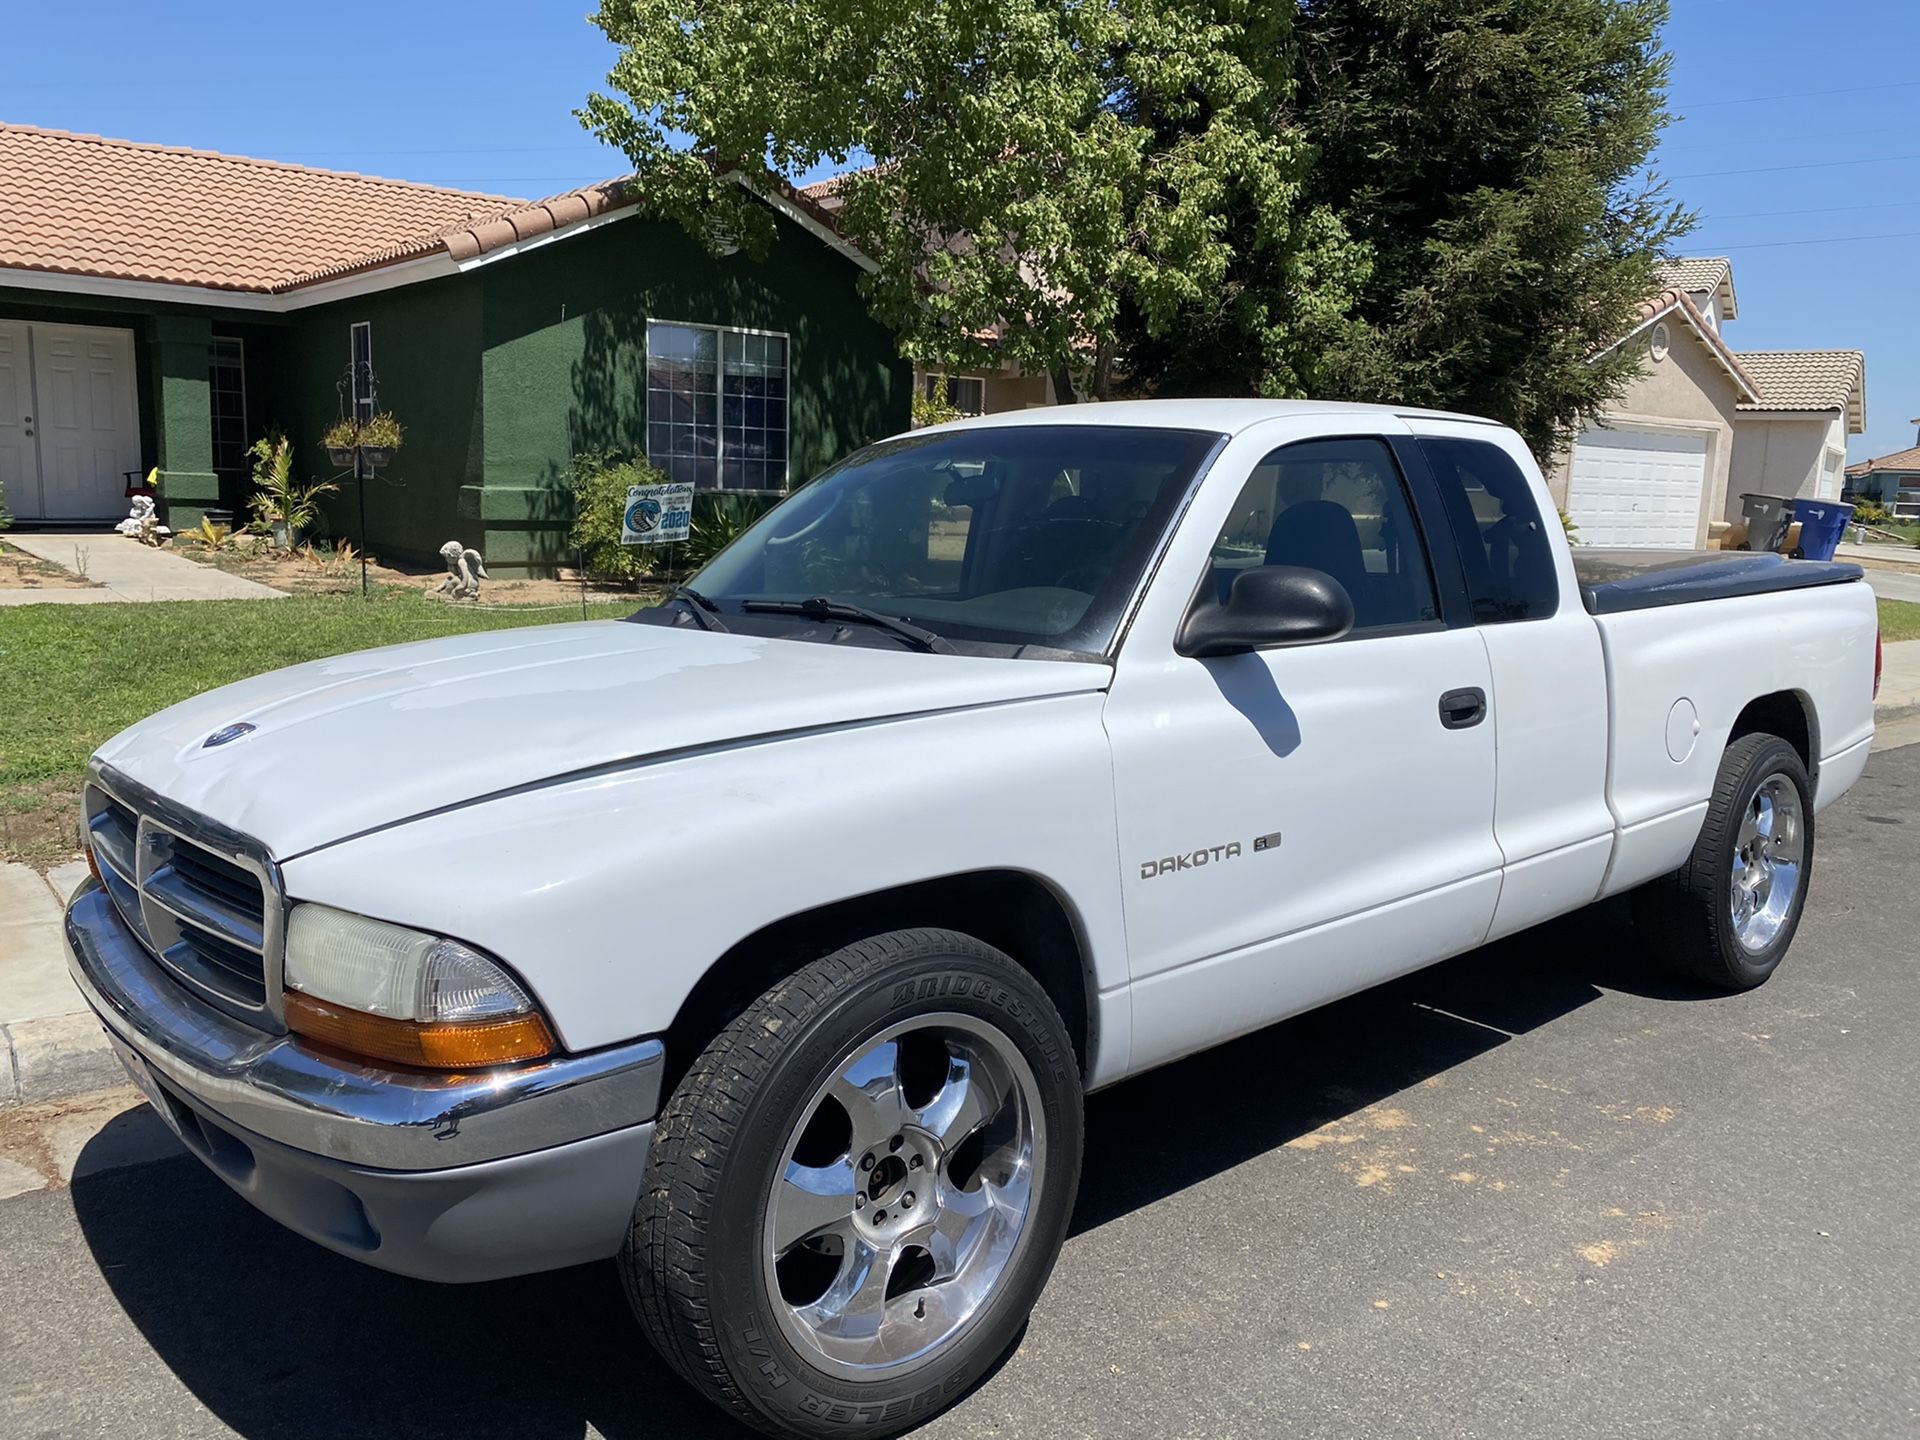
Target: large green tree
1039, 164
1420, 201
1490, 156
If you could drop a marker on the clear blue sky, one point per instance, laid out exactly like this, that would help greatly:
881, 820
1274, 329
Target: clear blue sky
480, 95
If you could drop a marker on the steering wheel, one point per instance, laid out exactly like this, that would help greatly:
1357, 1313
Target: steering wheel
774, 542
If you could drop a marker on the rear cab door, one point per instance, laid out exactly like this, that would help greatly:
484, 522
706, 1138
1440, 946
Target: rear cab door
1299, 823
1549, 694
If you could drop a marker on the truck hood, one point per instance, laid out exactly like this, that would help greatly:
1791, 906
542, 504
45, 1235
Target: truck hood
341, 746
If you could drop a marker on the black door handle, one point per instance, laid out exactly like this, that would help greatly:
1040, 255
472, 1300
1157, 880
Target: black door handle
1463, 709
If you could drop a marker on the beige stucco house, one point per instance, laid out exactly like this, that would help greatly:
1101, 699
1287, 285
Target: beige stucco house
1654, 470
1703, 425
975, 390
986, 390
1793, 440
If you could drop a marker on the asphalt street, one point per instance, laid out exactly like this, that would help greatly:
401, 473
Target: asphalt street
1539, 1191
1894, 584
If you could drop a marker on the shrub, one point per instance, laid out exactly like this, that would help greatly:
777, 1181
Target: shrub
278, 498
382, 431
929, 410
599, 484
718, 520
1870, 512
208, 535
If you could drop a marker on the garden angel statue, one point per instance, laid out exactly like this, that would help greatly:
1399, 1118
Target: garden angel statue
465, 571
142, 523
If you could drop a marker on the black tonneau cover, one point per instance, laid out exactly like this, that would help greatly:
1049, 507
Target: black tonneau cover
1616, 580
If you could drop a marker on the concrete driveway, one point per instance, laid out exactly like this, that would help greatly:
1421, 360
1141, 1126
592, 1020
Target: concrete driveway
1537, 1191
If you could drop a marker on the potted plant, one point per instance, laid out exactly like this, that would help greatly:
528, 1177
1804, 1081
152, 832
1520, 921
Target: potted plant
284, 506
379, 437
339, 441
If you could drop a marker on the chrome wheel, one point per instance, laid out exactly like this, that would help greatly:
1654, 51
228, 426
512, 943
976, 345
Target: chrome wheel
1769, 858
902, 1194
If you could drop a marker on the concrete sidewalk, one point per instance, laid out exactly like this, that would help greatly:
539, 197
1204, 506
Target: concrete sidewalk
1899, 681
50, 1044
1903, 558
124, 570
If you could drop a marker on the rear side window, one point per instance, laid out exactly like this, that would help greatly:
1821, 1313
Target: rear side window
1504, 548
1337, 506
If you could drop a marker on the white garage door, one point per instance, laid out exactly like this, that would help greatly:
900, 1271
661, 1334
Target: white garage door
1637, 487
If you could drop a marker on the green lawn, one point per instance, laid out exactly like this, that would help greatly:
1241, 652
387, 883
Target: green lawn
73, 675
1899, 620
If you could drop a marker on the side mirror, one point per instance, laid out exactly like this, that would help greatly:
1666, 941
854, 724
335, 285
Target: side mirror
1268, 605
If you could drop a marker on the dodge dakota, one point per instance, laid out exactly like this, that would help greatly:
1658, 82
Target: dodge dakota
767, 941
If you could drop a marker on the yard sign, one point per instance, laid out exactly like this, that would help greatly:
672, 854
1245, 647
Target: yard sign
657, 514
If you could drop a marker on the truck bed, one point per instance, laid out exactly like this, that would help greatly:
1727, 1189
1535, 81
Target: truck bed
1612, 581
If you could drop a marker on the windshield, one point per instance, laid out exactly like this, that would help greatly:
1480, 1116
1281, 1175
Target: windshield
1023, 535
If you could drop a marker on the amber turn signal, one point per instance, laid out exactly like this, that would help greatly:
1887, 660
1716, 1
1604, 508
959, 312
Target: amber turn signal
463, 1045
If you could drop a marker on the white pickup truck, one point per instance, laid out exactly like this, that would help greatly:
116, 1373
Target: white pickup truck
768, 940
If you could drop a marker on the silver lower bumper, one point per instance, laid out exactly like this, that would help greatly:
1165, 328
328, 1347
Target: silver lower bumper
447, 1177
333, 1106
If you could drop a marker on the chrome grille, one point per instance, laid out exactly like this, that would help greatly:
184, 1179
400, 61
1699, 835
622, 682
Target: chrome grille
203, 899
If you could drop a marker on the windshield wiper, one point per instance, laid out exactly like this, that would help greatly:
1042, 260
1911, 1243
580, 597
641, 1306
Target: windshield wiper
820, 607
705, 613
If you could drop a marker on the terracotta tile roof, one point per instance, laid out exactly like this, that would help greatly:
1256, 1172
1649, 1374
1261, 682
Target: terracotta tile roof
1899, 460
524, 221
1696, 274
1668, 302
1804, 379
825, 189
125, 210
84, 205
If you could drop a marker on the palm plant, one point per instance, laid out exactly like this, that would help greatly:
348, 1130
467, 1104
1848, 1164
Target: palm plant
279, 501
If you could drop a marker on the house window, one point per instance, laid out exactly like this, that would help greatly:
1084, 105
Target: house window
227, 382
965, 393
360, 368
717, 405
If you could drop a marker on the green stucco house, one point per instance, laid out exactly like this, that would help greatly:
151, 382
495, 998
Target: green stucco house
166, 307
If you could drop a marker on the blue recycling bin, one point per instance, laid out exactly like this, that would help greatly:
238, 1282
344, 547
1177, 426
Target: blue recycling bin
1822, 523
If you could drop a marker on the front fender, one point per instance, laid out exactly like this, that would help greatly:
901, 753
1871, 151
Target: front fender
612, 895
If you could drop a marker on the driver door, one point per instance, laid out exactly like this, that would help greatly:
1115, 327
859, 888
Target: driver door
1302, 822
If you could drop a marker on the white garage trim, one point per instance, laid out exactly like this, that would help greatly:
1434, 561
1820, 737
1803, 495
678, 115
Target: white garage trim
1640, 486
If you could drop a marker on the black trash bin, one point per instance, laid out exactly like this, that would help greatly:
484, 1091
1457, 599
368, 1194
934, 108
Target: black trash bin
1767, 517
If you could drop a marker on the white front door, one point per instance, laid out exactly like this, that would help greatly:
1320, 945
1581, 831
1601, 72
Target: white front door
1638, 488
19, 451
1297, 824
87, 423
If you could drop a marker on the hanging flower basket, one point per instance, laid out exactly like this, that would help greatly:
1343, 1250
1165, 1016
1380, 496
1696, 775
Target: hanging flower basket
340, 456
377, 455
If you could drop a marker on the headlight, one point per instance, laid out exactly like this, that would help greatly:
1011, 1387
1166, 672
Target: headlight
391, 993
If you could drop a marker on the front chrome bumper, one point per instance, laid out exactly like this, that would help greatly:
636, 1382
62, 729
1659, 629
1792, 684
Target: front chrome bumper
449, 1177
336, 1107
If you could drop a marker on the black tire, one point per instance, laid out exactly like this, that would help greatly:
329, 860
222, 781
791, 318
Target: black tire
1686, 917
692, 1262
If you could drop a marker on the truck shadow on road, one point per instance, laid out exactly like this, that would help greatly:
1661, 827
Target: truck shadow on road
283, 1340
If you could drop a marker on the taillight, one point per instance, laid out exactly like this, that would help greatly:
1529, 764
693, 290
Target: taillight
1879, 658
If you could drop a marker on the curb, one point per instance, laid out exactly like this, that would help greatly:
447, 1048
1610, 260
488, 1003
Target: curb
52, 1058
1891, 564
